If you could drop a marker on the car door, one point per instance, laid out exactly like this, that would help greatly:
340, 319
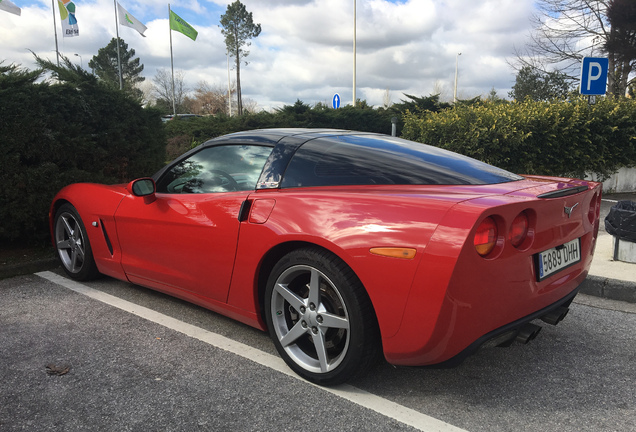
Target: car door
185, 240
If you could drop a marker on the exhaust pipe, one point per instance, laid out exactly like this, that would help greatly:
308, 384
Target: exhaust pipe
527, 333
554, 317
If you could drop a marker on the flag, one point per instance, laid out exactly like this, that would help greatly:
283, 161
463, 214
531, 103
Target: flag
128, 20
6, 5
177, 23
67, 16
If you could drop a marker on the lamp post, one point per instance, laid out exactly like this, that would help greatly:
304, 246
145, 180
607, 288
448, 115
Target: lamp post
81, 61
354, 53
456, 64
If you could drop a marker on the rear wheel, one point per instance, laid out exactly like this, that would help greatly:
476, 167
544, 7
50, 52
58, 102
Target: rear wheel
320, 317
72, 245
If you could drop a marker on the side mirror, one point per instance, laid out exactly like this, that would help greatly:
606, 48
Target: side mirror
143, 187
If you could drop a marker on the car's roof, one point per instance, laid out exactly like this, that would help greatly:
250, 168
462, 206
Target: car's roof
330, 157
273, 136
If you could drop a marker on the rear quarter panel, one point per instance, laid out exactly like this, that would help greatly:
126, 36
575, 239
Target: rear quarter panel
483, 294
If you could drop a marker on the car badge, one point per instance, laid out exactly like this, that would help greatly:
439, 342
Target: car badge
569, 210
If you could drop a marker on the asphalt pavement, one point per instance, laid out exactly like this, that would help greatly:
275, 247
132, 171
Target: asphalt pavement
74, 362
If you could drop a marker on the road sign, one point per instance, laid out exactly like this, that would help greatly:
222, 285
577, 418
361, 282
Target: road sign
594, 75
335, 102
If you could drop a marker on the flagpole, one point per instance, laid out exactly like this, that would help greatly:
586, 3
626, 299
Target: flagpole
57, 51
121, 83
174, 108
229, 88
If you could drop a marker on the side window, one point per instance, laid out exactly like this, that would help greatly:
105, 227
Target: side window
224, 168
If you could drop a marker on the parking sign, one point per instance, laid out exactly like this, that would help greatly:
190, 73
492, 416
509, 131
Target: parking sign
594, 76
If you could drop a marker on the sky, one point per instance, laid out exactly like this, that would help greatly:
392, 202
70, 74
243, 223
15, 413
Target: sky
305, 49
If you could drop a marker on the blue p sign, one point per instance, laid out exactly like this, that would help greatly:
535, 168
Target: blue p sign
594, 76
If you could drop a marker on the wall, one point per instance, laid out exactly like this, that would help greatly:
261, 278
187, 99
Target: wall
623, 181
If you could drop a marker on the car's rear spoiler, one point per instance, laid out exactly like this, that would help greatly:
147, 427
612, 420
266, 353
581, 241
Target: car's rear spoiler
563, 192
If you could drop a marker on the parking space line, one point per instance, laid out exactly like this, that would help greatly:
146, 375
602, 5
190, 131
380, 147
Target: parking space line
360, 397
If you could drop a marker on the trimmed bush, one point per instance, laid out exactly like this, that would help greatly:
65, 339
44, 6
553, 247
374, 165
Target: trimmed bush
75, 130
559, 138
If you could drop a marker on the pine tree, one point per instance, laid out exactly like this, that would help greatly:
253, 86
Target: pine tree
105, 66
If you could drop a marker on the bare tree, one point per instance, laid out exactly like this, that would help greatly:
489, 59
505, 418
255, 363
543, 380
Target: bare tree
148, 90
250, 106
163, 87
209, 99
565, 31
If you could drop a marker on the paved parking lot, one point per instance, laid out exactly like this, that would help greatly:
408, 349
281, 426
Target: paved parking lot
133, 368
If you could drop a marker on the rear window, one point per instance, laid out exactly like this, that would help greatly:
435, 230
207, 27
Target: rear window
380, 160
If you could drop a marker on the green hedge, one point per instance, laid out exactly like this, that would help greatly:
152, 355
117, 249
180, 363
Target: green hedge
559, 138
300, 115
54, 134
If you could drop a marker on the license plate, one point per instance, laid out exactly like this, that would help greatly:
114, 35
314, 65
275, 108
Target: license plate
556, 259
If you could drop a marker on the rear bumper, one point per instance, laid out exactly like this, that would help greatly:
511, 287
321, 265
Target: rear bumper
506, 334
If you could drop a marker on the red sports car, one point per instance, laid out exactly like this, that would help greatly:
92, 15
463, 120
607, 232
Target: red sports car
343, 245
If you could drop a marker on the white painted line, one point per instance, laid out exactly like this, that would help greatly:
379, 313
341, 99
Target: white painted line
609, 200
360, 397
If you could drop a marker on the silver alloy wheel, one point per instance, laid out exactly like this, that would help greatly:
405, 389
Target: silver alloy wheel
310, 319
70, 242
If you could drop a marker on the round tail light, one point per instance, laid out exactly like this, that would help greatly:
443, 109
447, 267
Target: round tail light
486, 237
519, 230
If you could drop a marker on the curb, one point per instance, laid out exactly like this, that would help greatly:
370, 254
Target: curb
608, 288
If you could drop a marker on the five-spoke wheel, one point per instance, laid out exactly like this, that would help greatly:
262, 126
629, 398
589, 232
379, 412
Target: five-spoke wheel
73, 247
320, 317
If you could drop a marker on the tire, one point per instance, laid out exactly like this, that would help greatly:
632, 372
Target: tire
72, 245
320, 317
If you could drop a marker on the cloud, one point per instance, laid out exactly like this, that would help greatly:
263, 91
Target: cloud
305, 50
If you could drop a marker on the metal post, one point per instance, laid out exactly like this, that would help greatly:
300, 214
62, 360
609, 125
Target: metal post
121, 82
354, 53
57, 51
456, 64
174, 106
229, 87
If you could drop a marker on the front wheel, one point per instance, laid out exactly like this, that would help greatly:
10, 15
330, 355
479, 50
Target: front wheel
320, 317
72, 245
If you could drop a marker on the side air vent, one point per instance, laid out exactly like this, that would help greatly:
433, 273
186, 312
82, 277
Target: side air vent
108, 243
563, 192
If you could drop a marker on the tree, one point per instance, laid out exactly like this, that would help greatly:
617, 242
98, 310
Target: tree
565, 31
162, 90
538, 86
494, 97
66, 130
208, 99
238, 27
105, 66
621, 42
422, 103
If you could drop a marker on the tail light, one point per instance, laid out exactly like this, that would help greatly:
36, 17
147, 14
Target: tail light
486, 237
519, 230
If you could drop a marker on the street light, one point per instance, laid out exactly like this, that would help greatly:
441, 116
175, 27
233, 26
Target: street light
354, 53
456, 64
81, 61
